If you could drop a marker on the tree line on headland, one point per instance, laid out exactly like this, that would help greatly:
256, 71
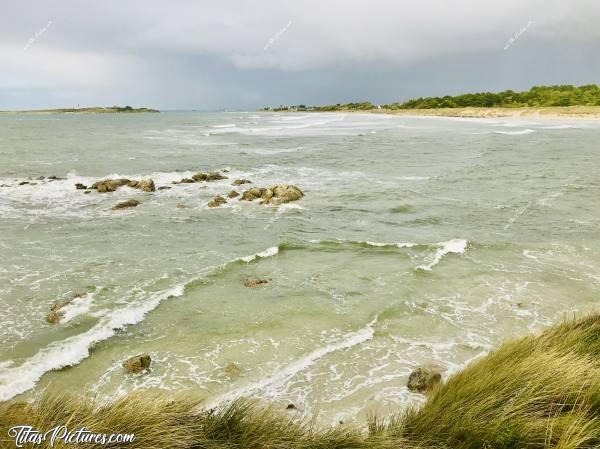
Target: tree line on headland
537, 96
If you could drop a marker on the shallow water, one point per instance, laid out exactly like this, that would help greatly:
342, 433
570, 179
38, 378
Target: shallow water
418, 240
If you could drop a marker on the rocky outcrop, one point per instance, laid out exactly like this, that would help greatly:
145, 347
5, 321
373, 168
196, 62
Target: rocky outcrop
239, 182
126, 204
254, 283
275, 194
145, 185
208, 177
184, 181
424, 378
233, 194
56, 313
137, 364
109, 185
217, 201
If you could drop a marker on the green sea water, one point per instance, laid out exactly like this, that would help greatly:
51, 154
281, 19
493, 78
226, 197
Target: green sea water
418, 240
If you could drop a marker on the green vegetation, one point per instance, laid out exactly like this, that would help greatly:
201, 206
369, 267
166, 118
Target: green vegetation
94, 110
537, 96
537, 392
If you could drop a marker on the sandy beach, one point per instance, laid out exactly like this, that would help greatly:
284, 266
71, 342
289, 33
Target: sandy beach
568, 112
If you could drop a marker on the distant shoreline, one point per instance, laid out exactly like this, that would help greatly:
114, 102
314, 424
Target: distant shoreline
545, 112
94, 110
550, 112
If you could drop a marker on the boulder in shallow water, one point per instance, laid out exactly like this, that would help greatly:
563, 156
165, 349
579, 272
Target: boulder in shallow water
137, 364
275, 194
291, 406
145, 185
284, 193
80, 186
252, 194
424, 378
55, 316
233, 370
254, 283
239, 182
217, 201
233, 194
208, 177
126, 204
164, 188
110, 185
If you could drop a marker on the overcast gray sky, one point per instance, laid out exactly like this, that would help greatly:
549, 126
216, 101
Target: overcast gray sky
236, 54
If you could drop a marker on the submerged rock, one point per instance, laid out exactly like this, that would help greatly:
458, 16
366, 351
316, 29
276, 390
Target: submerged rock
164, 188
145, 185
208, 177
239, 182
275, 194
138, 363
126, 204
291, 407
233, 194
80, 186
217, 201
55, 316
110, 185
254, 283
184, 181
233, 370
424, 379
22, 183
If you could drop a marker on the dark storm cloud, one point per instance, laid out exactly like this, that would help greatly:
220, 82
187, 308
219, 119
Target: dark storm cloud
240, 54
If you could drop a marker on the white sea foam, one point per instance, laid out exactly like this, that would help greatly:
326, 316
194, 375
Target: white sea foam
516, 133
71, 351
269, 252
77, 307
282, 375
456, 246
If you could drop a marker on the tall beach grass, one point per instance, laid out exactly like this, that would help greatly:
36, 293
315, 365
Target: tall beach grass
537, 392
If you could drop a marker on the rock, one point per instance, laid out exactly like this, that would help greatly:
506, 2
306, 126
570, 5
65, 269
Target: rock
80, 186
284, 193
88, 191
109, 185
291, 407
186, 181
233, 370
41, 178
164, 188
424, 379
252, 194
22, 183
254, 283
137, 364
55, 178
239, 182
60, 304
217, 201
275, 194
180, 206
232, 194
126, 204
55, 316
145, 185
208, 177
79, 295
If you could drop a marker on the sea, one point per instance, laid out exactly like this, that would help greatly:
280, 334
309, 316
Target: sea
419, 240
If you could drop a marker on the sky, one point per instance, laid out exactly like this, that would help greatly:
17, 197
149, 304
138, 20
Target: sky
243, 55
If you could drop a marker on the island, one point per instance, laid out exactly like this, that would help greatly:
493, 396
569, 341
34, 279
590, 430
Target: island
91, 110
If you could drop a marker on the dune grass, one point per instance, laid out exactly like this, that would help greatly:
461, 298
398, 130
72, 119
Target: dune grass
537, 392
